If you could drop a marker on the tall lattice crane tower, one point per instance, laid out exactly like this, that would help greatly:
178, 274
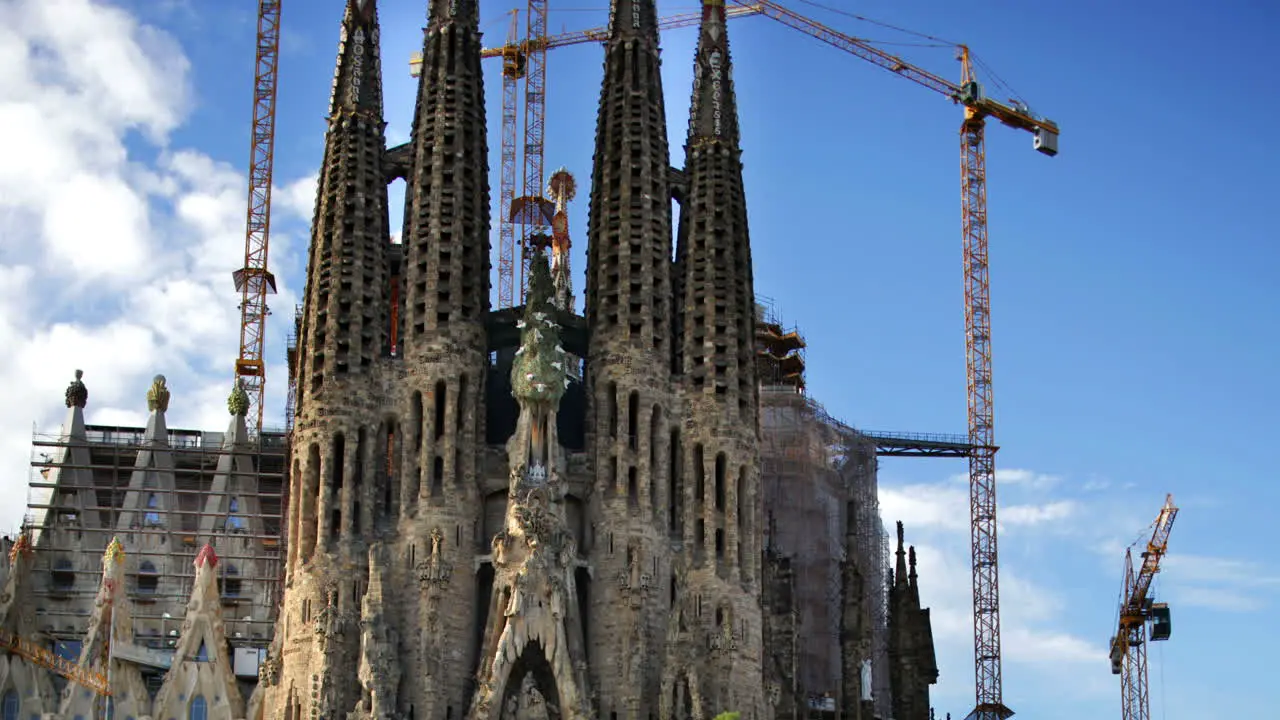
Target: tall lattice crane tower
254, 281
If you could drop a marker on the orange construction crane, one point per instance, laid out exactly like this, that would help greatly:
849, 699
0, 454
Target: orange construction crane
1137, 610
989, 704
40, 655
526, 60
254, 282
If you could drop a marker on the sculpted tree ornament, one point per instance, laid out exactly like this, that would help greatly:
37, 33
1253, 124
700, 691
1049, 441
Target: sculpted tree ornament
534, 626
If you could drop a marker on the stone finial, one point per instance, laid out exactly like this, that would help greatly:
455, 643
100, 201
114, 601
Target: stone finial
21, 546
207, 556
114, 552
238, 403
911, 558
158, 395
900, 537
77, 394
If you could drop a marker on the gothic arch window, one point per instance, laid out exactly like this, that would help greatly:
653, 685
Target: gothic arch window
152, 518
235, 522
199, 709
148, 578
63, 576
230, 581
9, 705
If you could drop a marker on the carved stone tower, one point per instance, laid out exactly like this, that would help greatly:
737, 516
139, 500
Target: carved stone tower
337, 493
631, 414
715, 356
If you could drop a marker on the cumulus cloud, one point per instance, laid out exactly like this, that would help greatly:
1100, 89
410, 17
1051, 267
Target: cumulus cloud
1035, 638
119, 248
1219, 583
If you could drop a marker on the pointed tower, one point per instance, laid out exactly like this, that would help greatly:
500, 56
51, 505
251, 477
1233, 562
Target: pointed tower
201, 675
714, 356
436, 445
72, 520
26, 682
338, 483
345, 322
110, 625
150, 506
631, 414
913, 666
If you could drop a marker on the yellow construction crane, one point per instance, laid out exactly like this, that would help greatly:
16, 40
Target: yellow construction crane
40, 655
253, 281
1137, 611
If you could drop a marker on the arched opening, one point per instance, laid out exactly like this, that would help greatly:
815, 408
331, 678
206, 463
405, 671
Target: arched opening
720, 478
311, 488
633, 420
230, 581
235, 522
461, 411
151, 518
63, 577
10, 706
530, 674
675, 487
699, 477
633, 486
612, 416
415, 419
441, 394
148, 578
199, 708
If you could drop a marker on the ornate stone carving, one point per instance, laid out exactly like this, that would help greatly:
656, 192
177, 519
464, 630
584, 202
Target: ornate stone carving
77, 394
158, 395
238, 402
434, 570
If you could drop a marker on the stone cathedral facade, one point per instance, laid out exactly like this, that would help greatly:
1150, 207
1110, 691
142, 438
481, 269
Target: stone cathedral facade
477, 527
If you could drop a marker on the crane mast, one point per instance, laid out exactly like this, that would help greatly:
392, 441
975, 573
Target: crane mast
535, 117
254, 281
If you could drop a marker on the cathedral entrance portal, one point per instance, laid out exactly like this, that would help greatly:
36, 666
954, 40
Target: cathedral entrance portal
531, 692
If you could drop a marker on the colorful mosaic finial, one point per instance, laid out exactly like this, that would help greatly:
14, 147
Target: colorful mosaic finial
207, 555
114, 553
238, 403
21, 546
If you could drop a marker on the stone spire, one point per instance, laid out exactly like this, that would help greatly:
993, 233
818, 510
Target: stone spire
714, 360
149, 502
231, 507
345, 315
110, 624
446, 224
631, 410
716, 353
900, 568
628, 294
201, 670
713, 113
69, 472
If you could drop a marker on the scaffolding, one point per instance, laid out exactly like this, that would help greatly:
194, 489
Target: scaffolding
72, 521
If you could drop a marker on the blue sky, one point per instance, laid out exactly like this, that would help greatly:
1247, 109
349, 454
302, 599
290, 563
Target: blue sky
1133, 276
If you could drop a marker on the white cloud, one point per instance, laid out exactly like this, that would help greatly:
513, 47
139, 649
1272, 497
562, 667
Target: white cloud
1036, 637
1218, 583
119, 248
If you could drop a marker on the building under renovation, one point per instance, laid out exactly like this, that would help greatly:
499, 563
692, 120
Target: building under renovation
522, 513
